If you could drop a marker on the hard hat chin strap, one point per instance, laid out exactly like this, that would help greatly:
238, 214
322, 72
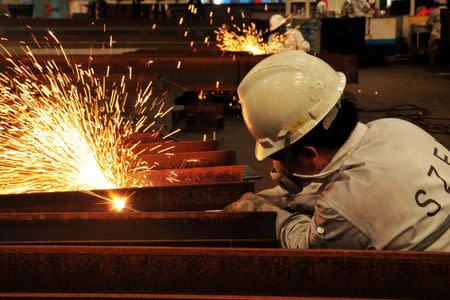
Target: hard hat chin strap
288, 181
288, 159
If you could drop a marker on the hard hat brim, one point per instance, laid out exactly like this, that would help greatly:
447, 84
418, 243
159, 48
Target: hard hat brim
262, 153
272, 28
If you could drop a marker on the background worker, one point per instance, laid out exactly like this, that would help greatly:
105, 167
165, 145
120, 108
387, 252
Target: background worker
347, 9
361, 8
322, 10
434, 20
342, 183
283, 38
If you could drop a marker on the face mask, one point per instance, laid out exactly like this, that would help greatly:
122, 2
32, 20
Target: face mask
295, 183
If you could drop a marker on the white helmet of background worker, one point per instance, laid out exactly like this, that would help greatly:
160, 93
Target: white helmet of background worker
276, 21
288, 92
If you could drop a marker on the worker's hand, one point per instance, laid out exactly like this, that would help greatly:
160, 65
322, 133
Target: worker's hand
250, 202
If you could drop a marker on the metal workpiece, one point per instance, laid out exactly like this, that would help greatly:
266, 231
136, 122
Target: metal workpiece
144, 137
198, 197
224, 271
170, 228
190, 176
175, 146
189, 159
195, 72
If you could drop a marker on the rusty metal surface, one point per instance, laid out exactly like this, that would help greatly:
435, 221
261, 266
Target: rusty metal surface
170, 198
175, 228
175, 146
220, 271
197, 72
150, 296
190, 159
143, 136
206, 175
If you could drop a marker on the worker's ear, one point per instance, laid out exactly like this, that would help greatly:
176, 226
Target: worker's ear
312, 157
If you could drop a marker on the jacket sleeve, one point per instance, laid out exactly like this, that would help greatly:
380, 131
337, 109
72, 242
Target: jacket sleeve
326, 229
302, 44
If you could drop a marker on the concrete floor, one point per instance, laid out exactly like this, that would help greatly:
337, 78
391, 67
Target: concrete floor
379, 87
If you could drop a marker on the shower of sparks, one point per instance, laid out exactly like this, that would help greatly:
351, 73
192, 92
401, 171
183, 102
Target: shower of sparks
248, 39
62, 129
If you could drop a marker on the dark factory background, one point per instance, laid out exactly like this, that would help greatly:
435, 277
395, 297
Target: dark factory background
161, 234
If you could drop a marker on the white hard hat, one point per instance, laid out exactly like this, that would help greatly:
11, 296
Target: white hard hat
288, 92
443, 2
276, 21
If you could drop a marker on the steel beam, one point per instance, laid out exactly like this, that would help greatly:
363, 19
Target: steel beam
151, 199
175, 146
220, 271
190, 176
190, 159
175, 228
195, 73
145, 296
152, 137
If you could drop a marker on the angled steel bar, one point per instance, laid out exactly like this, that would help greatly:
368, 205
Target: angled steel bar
170, 228
175, 146
190, 176
190, 159
199, 197
220, 271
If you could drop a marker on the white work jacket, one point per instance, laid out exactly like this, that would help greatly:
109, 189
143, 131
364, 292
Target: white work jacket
321, 10
292, 40
360, 8
397, 197
434, 19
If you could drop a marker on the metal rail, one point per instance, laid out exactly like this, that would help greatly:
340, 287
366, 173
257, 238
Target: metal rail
175, 147
220, 271
174, 228
199, 197
190, 159
190, 176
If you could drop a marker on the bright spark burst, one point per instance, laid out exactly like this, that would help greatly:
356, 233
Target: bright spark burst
63, 129
245, 39
119, 204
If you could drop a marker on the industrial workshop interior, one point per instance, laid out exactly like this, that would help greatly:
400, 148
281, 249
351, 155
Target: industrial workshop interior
224, 149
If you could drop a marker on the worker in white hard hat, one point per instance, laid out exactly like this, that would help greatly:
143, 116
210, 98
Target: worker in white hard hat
283, 38
347, 9
358, 8
361, 8
434, 20
341, 183
322, 10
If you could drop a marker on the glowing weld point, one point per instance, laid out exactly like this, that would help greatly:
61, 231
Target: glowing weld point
118, 204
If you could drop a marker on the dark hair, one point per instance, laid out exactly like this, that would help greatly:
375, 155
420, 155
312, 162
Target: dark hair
331, 138
280, 30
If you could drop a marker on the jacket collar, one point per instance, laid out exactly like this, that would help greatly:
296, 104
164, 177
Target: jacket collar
336, 164
352, 142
